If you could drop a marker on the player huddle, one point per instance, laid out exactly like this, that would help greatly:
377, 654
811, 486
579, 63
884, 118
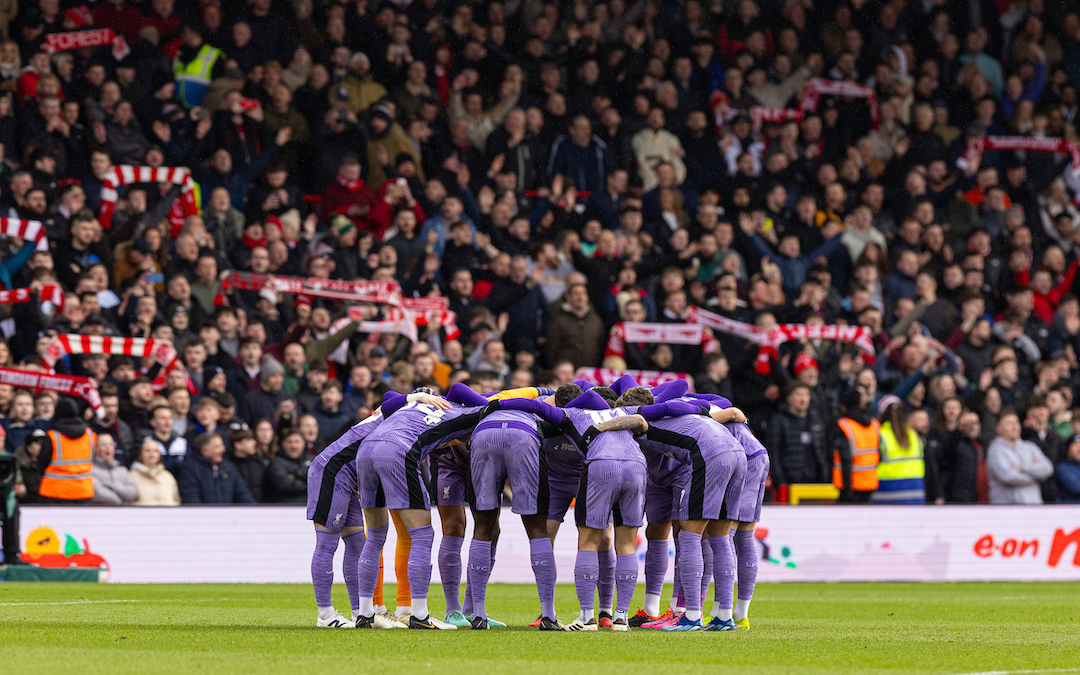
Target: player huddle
687, 463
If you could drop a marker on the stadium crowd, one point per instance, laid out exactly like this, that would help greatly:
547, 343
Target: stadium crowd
553, 171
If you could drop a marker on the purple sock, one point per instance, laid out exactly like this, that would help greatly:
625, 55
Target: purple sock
707, 568
420, 561
354, 544
690, 568
723, 570
367, 567
748, 562
543, 566
656, 563
450, 571
322, 566
606, 584
626, 572
479, 573
586, 574
676, 589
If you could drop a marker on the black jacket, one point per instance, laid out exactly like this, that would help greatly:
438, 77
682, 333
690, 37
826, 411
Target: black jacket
786, 448
200, 483
1054, 447
287, 479
960, 457
253, 470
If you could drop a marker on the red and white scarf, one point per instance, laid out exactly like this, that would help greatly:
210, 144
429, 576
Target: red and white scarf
61, 384
383, 292
649, 378
350, 185
668, 333
127, 175
30, 230
162, 352
1026, 143
50, 293
770, 342
97, 37
817, 86
405, 321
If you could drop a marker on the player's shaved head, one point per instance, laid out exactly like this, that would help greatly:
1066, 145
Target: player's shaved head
635, 396
608, 394
565, 394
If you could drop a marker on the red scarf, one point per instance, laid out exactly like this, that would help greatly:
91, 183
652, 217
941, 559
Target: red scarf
252, 243
350, 185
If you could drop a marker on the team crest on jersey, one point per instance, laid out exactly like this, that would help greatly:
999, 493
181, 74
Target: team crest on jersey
337, 519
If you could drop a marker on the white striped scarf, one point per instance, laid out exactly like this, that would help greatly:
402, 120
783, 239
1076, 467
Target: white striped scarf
162, 352
30, 230
127, 175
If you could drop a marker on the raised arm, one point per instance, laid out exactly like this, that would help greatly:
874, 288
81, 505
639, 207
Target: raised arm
670, 409
669, 390
548, 413
729, 415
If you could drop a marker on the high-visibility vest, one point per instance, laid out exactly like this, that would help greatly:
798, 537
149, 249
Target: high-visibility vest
901, 471
193, 77
69, 472
863, 441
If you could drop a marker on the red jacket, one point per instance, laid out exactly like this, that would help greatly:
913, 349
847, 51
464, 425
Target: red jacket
337, 199
1046, 303
125, 20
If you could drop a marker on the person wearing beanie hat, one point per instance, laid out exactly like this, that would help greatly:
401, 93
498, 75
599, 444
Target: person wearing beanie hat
854, 442
797, 444
66, 458
264, 402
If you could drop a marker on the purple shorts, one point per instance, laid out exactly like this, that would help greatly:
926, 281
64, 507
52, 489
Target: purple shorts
753, 490
611, 491
662, 501
451, 477
563, 491
332, 496
714, 488
390, 477
508, 454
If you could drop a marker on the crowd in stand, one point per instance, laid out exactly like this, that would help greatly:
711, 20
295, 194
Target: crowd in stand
553, 170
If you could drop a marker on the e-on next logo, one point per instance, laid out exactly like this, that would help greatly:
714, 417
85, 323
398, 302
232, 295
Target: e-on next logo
767, 551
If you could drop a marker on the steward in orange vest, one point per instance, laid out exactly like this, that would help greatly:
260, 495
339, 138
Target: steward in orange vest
855, 440
67, 456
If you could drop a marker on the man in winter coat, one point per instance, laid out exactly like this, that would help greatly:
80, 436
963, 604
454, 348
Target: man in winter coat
577, 332
797, 446
1068, 474
208, 478
288, 471
1015, 466
112, 482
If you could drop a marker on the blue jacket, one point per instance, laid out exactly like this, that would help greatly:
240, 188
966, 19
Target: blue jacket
587, 166
794, 269
1068, 480
200, 483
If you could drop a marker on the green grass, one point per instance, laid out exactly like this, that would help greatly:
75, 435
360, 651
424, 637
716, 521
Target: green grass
797, 628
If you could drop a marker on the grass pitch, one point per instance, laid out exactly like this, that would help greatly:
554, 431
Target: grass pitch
797, 629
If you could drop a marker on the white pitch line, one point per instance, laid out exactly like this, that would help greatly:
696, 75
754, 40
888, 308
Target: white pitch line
101, 602
1030, 672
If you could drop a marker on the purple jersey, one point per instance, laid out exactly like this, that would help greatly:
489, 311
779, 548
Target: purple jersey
353, 434
673, 425
420, 428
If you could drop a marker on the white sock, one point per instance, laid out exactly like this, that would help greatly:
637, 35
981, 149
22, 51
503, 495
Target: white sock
367, 607
586, 615
621, 615
742, 609
693, 615
419, 608
652, 604
724, 614
402, 611
673, 605
379, 609
680, 610
326, 612
606, 610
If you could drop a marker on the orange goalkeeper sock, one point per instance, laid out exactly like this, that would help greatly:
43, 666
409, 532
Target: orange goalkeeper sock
377, 599
401, 563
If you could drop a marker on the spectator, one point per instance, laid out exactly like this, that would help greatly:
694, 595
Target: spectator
173, 448
155, 485
576, 332
330, 415
797, 446
110, 423
27, 458
112, 483
1014, 466
251, 464
287, 475
210, 478
1068, 474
